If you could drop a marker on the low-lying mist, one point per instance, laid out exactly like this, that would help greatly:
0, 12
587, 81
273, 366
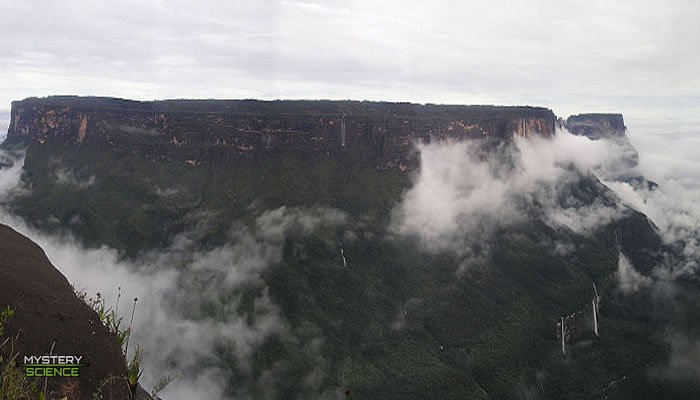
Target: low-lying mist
460, 197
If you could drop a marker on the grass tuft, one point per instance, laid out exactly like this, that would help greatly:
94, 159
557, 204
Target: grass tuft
14, 384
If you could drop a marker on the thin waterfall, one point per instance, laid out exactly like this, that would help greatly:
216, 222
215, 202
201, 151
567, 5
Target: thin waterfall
563, 346
342, 253
595, 318
596, 303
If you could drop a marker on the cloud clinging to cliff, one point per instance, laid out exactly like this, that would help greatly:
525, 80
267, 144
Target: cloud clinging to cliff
635, 57
459, 199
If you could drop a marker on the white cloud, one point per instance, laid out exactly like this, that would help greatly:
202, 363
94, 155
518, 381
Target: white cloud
585, 219
460, 198
628, 279
669, 151
675, 210
68, 177
455, 194
11, 165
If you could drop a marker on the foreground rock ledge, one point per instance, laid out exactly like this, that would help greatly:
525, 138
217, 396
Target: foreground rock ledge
46, 308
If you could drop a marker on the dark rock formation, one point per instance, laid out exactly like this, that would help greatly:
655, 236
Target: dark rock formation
596, 126
47, 309
228, 132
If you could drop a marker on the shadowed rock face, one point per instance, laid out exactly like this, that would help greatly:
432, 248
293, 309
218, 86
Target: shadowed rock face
596, 126
237, 131
47, 309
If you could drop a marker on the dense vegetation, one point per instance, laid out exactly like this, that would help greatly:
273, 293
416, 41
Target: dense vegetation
489, 332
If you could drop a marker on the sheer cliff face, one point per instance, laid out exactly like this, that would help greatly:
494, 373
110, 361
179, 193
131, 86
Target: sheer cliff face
230, 132
596, 126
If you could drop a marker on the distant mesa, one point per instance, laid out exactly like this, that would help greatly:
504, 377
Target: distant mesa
596, 126
234, 132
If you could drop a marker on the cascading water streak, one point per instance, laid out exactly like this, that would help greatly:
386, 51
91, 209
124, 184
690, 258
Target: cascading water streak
596, 303
563, 346
595, 317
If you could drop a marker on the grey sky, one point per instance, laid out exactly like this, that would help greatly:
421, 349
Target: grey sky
637, 57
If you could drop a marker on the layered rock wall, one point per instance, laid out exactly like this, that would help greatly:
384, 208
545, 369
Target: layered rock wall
238, 131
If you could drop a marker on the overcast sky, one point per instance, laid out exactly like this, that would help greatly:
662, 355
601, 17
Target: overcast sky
637, 57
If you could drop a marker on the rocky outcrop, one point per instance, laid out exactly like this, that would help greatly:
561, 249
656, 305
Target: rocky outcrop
596, 126
218, 132
48, 314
